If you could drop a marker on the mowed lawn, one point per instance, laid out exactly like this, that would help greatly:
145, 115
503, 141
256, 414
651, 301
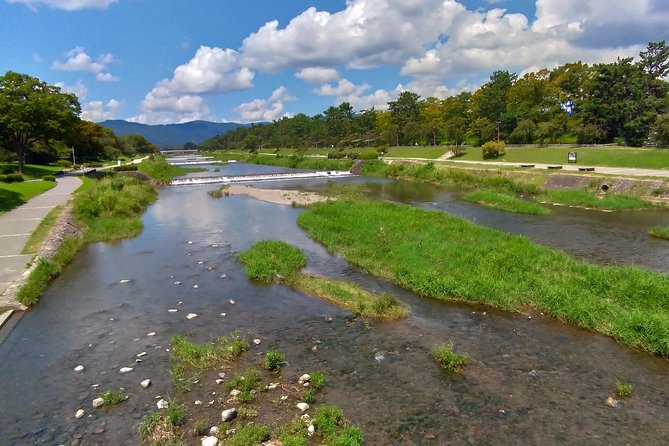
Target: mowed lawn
15, 194
645, 158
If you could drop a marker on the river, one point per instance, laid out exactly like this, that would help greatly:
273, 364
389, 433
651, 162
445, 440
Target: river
528, 381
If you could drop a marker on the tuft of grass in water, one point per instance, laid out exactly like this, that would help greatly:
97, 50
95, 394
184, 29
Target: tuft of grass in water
273, 359
505, 202
162, 428
247, 412
293, 434
245, 382
111, 397
201, 356
309, 396
250, 435
584, 198
352, 297
441, 256
336, 430
220, 192
176, 413
42, 230
447, 358
623, 390
317, 380
659, 232
271, 260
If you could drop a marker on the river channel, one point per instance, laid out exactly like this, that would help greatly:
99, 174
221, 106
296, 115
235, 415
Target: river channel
530, 380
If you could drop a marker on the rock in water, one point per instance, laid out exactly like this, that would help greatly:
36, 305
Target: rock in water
191, 316
79, 414
79, 368
304, 378
229, 414
209, 441
257, 341
162, 404
126, 370
98, 402
146, 383
303, 407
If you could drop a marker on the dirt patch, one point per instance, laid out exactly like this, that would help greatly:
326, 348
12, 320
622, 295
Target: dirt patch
278, 196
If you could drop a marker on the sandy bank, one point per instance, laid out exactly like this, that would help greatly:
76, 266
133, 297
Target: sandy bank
277, 196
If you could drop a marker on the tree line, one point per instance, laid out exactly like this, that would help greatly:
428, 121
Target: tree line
624, 102
40, 124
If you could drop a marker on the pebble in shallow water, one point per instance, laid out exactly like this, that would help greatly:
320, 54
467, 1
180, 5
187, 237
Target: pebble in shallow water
146, 383
79, 368
79, 414
126, 370
191, 316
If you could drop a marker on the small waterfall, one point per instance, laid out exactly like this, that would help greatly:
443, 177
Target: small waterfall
231, 179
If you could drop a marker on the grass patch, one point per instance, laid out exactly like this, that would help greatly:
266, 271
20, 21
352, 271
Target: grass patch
293, 434
30, 171
505, 202
220, 192
416, 152
162, 428
659, 232
15, 194
584, 198
441, 256
111, 208
623, 390
646, 158
271, 260
447, 358
158, 169
112, 398
273, 359
250, 435
317, 380
352, 297
248, 384
42, 230
335, 429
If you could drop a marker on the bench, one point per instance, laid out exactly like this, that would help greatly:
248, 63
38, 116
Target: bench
527, 165
586, 169
554, 167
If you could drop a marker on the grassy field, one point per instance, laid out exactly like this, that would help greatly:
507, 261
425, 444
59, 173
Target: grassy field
31, 171
417, 152
645, 158
505, 202
440, 256
16, 194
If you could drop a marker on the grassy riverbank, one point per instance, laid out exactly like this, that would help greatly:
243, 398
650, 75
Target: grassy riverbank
660, 232
444, 257
276, 261
42, 230
159, 169
108, 209
585, 198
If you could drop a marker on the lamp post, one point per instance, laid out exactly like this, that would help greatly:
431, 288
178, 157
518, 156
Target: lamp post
74, 159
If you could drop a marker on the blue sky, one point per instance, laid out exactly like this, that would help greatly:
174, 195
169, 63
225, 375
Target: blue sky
162, 61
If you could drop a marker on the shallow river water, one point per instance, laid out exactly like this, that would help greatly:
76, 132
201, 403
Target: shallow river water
529, 380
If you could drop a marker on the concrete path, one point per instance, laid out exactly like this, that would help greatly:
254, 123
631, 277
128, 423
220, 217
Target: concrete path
17, 225
622, 171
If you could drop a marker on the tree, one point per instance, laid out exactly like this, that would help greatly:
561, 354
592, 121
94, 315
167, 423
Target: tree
490, 99
655, 64
660, 131
404, 113
32, 110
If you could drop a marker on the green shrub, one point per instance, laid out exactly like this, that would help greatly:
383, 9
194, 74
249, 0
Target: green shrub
48, 178
112, 398
493, 149
337, 155
368, 155
250, 435
623, 390
447, 358
12, 178
271, 259
4, 170
64, 163
3, 178
273, 359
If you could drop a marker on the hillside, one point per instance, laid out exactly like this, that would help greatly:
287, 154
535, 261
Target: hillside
172, 135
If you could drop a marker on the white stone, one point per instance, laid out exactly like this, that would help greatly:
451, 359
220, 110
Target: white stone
146, 383
232, 302
229, 414
200, 262
177, 282
272, 386
196, 287
224, 314
221, 374
153, 333
303, 407
172, 310
139, 355
162, 404
79, 414
191, 316
97, 402
190, 242
234, 392
284, 397
124, 281
219, 381
257, 341
198, 403
126, 370
304, 378
214, 430
209, 441
311, 430
79, 368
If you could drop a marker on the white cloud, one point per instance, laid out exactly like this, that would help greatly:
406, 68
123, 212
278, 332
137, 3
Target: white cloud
269, 109
68, 5
79, 89
79, 60
96, 111
160, 108
317, 75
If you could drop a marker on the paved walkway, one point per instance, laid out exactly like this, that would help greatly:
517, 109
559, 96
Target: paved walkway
622, 171
17, 225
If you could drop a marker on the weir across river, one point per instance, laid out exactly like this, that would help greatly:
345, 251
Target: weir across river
234, 179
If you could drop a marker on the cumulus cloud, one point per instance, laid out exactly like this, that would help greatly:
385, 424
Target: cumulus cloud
79, 89
79, 60
96, 111
269, 109
68, 5
159, 108
317, 75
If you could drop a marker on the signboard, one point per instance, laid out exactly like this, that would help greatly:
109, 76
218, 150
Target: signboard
571, 157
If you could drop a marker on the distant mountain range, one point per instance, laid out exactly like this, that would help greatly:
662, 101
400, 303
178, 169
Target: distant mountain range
172, 135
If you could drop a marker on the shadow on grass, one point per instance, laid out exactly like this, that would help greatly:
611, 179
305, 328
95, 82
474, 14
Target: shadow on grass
9, 200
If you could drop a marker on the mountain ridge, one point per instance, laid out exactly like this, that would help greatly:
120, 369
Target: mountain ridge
171, 135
